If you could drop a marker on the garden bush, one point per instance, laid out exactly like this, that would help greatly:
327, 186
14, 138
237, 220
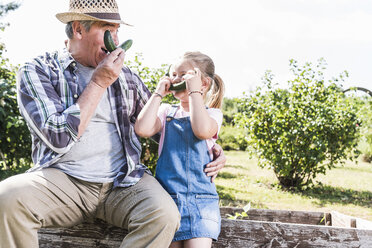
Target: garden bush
232, 138
15, 140
302, 130
364, 106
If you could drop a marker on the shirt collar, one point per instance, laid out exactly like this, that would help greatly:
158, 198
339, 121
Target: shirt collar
66, 59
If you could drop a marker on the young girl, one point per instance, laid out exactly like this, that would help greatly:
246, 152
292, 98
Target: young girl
189, 131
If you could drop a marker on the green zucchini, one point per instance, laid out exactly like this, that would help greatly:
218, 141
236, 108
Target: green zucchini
126, 45
178, 87
110, 44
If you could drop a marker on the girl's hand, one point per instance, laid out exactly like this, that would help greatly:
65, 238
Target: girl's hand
163, 86
193, 80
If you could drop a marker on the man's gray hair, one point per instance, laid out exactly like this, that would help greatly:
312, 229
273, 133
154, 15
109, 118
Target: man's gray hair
69, 31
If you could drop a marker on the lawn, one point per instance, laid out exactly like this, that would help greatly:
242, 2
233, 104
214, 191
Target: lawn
346, 189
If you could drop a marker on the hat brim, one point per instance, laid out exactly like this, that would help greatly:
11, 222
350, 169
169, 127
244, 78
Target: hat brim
70, 16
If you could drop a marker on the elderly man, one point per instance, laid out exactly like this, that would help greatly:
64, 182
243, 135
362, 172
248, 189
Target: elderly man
81, 105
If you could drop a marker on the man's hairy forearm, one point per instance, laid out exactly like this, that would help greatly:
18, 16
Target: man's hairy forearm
88, 102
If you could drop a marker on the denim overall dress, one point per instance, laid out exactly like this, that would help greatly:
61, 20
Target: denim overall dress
180, 170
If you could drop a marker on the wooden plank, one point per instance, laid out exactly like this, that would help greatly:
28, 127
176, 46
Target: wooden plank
363, 224
286, 216
57, 241
234, 234
343, 220
240, 233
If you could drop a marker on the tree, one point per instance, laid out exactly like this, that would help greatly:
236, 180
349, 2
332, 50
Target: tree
231, 137
303, 130
15, 140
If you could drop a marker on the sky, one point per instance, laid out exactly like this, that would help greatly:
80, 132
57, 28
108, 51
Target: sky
244, 38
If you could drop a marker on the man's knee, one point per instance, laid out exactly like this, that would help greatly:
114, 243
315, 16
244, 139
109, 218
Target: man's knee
11, 197
169, 215
156, 206
165, 207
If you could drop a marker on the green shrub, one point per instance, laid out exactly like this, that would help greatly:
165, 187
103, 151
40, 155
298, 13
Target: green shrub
364, 105
232, 138
302, 130
15, 140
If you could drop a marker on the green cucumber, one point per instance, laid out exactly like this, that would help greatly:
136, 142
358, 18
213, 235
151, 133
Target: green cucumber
126, 45
178, 87
110, 44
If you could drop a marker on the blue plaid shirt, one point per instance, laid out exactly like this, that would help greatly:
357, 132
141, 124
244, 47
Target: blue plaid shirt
47, 95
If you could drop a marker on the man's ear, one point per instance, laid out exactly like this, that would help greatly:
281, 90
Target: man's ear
77, 29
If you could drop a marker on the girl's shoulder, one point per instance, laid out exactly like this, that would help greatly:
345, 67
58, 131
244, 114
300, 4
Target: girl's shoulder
215, 112
217, 115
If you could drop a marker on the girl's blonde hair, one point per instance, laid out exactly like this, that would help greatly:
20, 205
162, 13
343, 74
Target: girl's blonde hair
216, 89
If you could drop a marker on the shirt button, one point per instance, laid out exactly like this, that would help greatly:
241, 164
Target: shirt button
75, 96
73, 64
53, 156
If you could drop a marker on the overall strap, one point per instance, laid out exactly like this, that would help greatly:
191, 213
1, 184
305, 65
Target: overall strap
172, 112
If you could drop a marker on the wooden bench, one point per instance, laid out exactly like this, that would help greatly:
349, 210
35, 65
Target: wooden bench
262, 228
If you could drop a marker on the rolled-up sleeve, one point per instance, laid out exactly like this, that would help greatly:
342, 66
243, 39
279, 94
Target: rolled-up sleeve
143, 94
44, 110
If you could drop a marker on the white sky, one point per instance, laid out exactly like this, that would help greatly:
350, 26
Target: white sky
243, 37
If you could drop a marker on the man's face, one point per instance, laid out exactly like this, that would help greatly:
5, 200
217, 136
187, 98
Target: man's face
92, 47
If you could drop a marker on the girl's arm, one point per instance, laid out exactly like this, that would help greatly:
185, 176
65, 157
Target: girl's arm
148, 123
203, 126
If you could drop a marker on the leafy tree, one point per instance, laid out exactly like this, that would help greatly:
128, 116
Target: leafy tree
231, 137
364, 106
229, 109
302, 130
15, 141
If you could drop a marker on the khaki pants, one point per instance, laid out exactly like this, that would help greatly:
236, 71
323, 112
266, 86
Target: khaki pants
50, 198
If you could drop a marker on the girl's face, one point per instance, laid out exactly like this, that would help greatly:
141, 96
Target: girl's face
180, 69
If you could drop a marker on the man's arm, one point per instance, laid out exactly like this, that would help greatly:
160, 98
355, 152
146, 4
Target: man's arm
57, 126
104, 75
41, 107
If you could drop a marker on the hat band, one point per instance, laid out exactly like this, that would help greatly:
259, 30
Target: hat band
107, 16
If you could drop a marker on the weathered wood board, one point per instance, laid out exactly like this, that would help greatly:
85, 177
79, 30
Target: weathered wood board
234, 233
287, 216
343, 220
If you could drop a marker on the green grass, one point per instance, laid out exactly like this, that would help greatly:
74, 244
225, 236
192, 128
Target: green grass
346, 189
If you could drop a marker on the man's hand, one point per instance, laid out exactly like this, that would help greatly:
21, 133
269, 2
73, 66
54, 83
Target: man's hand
219, 160
108, 70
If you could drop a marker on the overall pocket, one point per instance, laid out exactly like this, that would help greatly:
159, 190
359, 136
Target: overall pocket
208, 207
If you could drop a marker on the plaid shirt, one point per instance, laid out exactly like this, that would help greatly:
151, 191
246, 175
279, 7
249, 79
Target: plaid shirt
47, 95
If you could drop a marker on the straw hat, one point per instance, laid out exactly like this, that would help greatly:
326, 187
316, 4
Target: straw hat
94, 10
